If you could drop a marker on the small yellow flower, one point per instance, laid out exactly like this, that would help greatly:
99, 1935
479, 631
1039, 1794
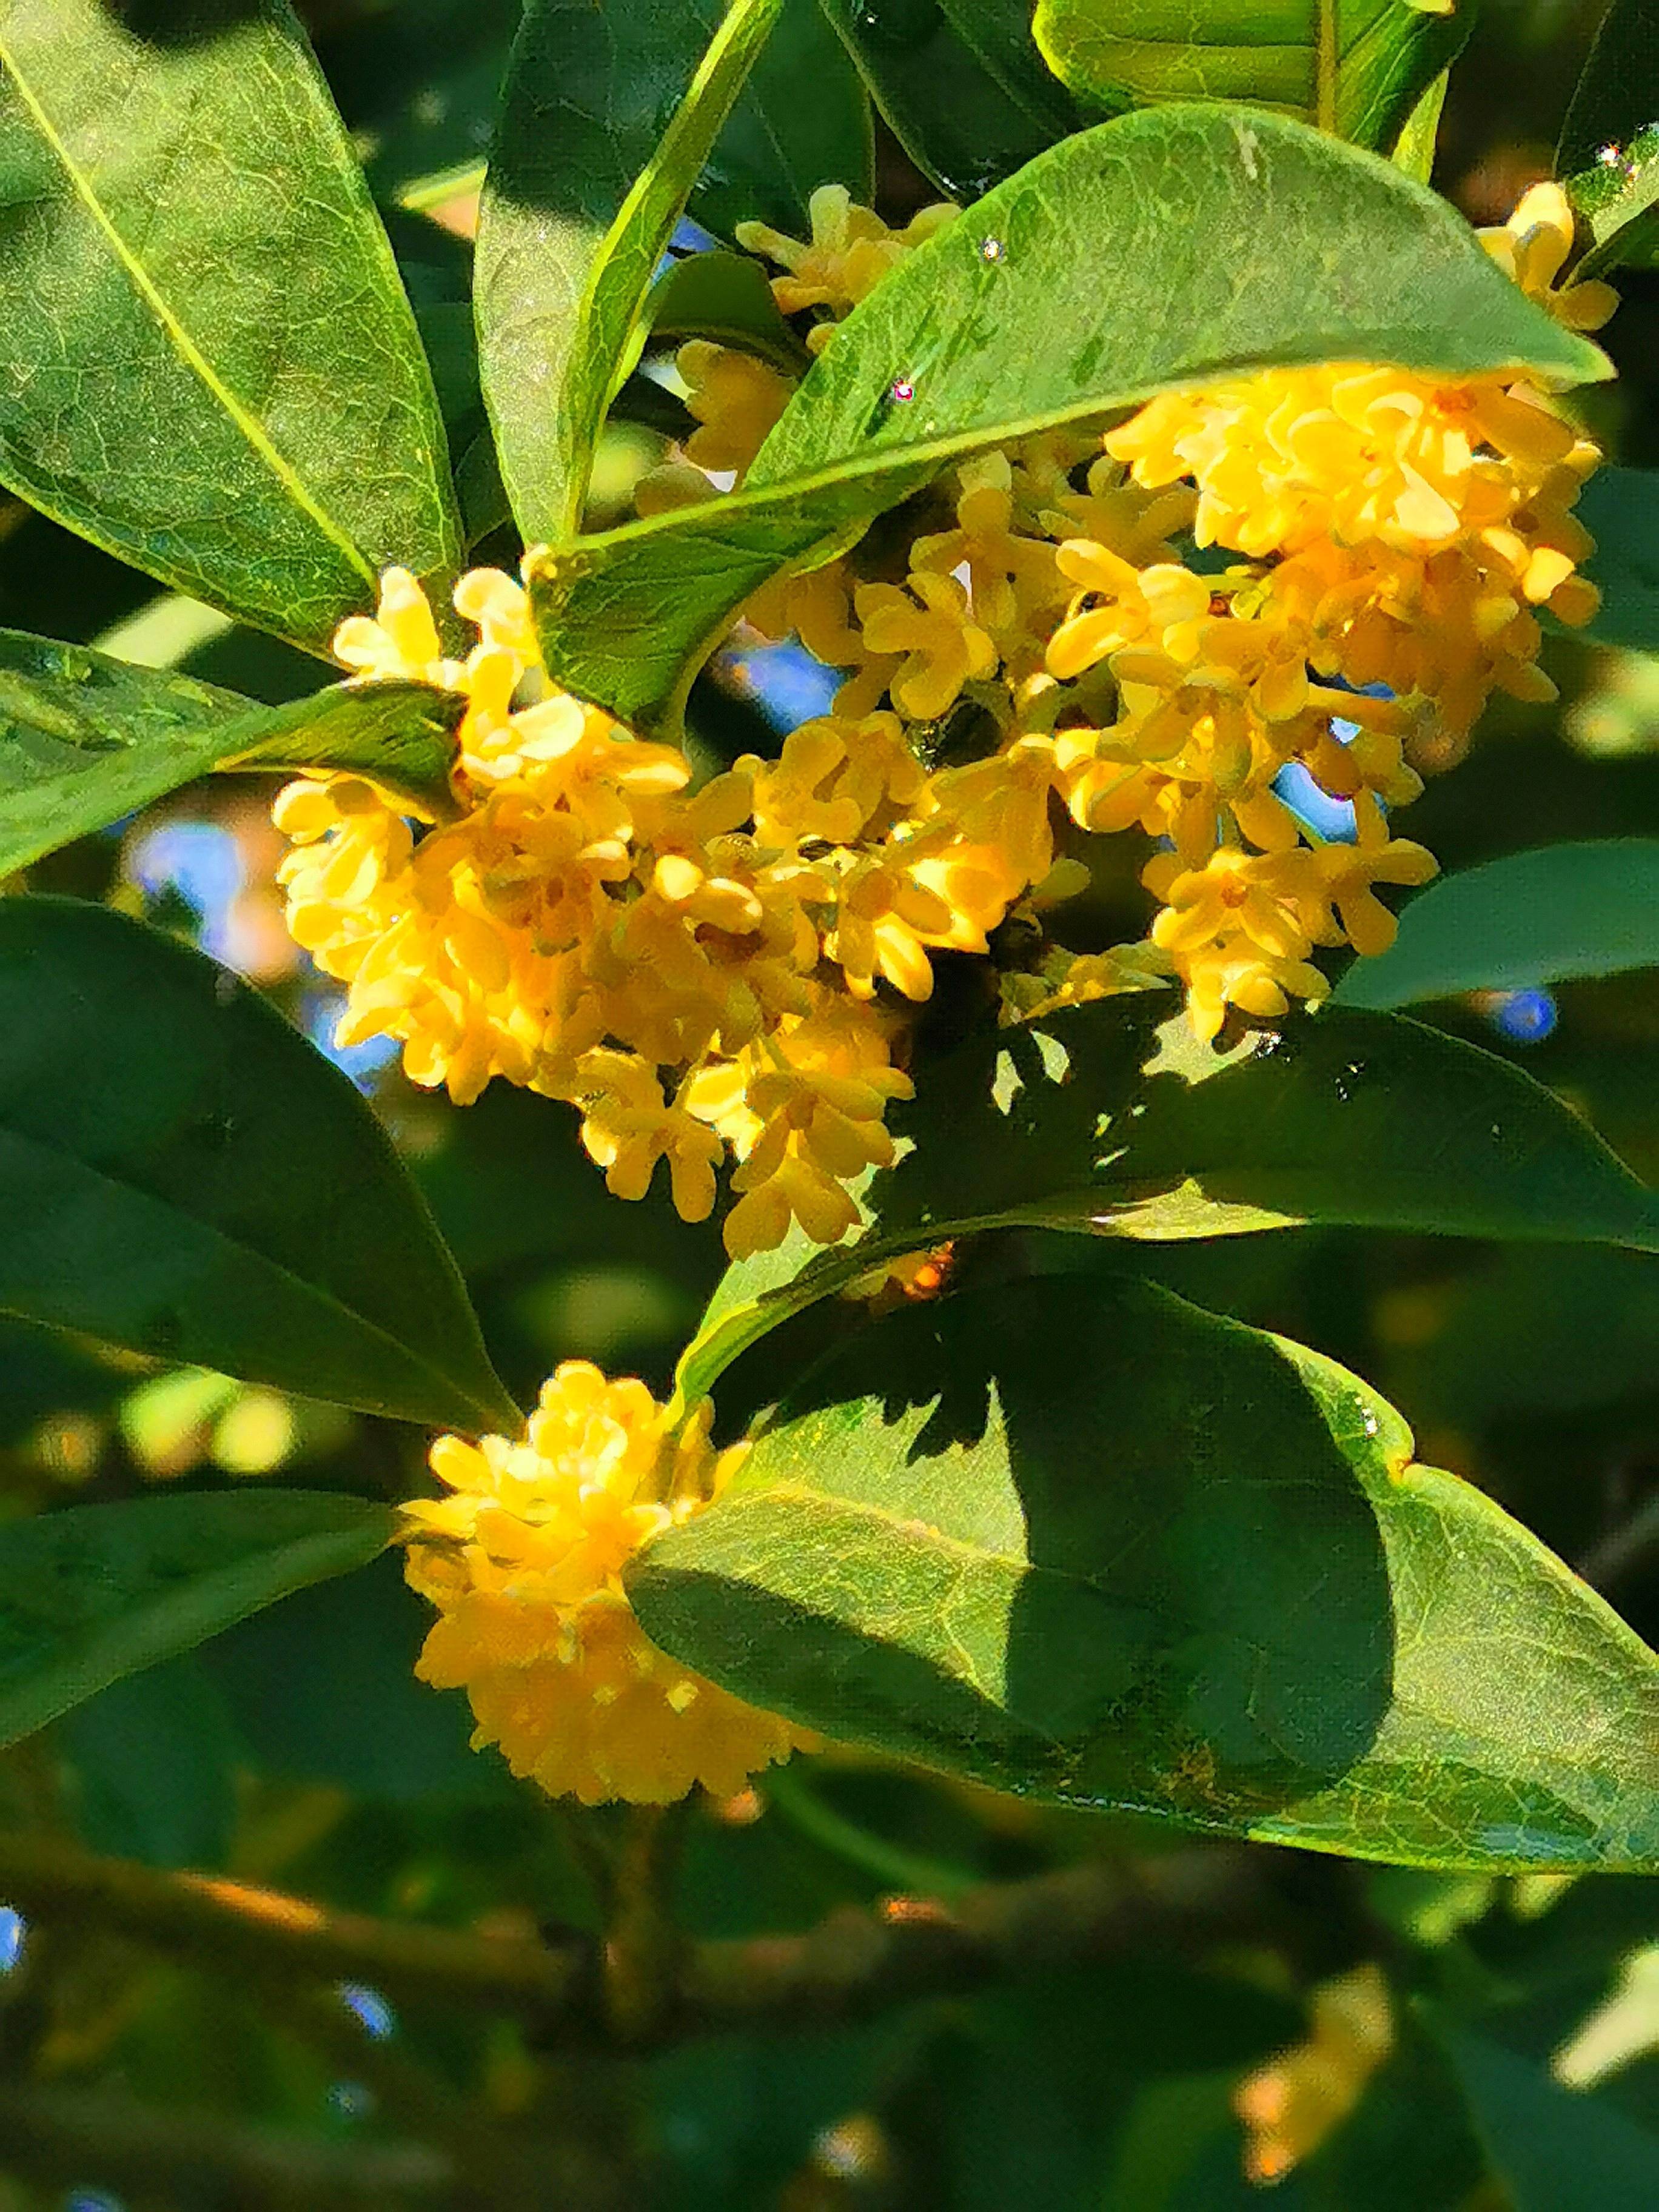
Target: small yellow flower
1347, 874
1533, 247
931, 626
1292, 2105
524, 1559
735, 398
850, 251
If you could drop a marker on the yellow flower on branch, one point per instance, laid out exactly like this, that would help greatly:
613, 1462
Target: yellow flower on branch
524, 1559
931, 626
850, 251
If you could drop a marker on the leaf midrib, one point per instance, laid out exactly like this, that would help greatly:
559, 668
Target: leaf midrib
254, 432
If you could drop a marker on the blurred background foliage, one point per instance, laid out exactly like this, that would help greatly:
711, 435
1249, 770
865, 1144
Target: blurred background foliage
1516, 2062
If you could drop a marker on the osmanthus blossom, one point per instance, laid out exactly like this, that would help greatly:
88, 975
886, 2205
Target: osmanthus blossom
721, 978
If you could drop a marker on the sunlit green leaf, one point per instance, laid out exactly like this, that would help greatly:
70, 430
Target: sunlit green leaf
207, 363
1165, 247
182, 1174
1609, 147
1099, 1548
1529, 918
1356, 67
1111, 1120
97, 1592
585, 187
85, 740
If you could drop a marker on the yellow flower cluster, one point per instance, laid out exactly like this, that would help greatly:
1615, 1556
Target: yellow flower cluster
723, 971
524, 1560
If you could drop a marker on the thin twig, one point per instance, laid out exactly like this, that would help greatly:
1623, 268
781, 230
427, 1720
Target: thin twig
855, 1963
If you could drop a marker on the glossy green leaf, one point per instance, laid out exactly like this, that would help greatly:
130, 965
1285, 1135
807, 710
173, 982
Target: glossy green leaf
1356, 67
207, 363
1110, 1118
1609, 147
1099, 1548
802, 120
960, 83
182, 1174
1619, 508
1530, 918
1169, 245
95, 1593
725, 297
585, 185
85, 740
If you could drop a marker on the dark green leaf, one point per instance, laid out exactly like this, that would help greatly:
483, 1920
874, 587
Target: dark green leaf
1530, 918
961, 85
585, 187
97, 1592
802, 120
1609, 146
1100, 1548
182, 1174
85, 740
725, 296
152, 1764
1619, 508
1556, 2149
1110, 1119
1356, 67
210, 366
1167, 246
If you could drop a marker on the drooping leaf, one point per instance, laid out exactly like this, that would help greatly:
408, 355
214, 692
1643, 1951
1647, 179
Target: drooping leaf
1111, 1120
961, 84
207, 363
1166, 246
1618, 201
584, 189
1100, 1548
1617, 508
725, 297
182, 1174
97, 1592
85, 740
1531, 918
1356, 67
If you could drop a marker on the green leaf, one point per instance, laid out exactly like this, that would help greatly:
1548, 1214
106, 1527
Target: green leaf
1530, 918
725, 296
802, 120
960, 84
1168, 246
1608, 152
182, 1174
1555, 2149
208, 363
152, 1764
1099, 1548
1415, 149
1110, 1118
578, 209
1617, 508
95, 1593
85, 740
1356, 67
